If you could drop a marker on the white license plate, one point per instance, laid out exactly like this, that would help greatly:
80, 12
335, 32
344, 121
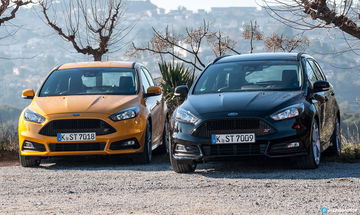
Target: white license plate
72, 137
232, 138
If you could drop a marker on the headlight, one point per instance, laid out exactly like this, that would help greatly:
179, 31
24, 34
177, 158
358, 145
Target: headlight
125, 114
186, 116
33, 117
289, 112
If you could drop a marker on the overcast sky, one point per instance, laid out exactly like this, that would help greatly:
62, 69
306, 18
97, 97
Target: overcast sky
202, 4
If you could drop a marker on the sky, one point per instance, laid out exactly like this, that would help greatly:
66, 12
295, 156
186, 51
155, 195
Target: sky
202, 4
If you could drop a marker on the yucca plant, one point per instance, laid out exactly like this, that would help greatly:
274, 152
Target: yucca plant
173, 75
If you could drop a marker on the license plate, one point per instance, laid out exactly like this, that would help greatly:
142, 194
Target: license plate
233, 138
61, 137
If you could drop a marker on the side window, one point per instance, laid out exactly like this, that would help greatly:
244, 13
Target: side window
144, 80
318, 68
310, 73
89, 81
148, 76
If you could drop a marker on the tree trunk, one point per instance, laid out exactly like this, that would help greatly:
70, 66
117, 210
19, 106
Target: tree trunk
97, 57
251, 37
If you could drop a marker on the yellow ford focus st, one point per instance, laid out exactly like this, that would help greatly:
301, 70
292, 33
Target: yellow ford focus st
94, 108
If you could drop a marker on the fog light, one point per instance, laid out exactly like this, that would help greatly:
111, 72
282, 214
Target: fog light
186, 149
129, 143
180, 148
28, 145
293, 145
125, 144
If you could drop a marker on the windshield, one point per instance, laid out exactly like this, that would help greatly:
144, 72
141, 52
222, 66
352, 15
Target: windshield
90, 81
250, 76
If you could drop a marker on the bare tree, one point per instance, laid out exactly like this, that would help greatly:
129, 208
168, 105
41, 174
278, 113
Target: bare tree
187, 47
221, 44
9, 8
287, 44
251, 32
91, 26
310, 14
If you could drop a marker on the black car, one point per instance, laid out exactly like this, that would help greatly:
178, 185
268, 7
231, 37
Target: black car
273, 105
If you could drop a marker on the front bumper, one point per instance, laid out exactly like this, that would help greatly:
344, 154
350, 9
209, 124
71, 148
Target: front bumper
271, 149
47, 146
285, 142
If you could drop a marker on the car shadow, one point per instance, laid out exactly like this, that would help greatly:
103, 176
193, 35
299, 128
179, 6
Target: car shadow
262, 168
87, 163
252, 168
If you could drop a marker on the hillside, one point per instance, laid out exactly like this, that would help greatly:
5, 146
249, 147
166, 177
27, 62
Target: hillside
28, 56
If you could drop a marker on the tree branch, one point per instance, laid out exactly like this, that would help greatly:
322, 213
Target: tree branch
6, 5
99, 31
166, 52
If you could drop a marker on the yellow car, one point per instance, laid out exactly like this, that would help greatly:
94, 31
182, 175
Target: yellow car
94, 108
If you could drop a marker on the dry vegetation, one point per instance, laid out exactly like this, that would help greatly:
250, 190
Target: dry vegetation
8, 137
350, 150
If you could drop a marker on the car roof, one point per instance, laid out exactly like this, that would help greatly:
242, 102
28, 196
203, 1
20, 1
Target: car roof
258, 56
94, 64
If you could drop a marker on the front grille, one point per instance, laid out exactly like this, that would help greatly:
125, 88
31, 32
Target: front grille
68, 147
232, 126
234, 149
76, 126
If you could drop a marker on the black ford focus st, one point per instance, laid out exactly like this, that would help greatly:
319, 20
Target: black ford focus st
273, 105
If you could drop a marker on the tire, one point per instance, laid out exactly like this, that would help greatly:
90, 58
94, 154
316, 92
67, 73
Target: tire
335, 148
146, 156
181, 166
29, 161
312, 160
164, 147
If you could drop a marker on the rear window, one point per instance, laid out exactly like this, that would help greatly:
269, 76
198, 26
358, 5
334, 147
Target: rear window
91, 81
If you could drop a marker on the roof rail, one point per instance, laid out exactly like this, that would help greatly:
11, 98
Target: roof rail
299, 55
218, 58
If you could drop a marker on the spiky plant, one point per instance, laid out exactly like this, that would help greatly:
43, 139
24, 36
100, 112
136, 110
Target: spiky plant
173, 75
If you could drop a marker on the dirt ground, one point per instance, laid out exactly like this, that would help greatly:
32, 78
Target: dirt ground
116, 186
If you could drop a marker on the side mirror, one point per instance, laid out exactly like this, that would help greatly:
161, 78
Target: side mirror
181, 91
321, 86
153, 91
28, 94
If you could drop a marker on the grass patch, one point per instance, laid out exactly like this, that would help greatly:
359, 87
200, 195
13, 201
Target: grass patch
350, 153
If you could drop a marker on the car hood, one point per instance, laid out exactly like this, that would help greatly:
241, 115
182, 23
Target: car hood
259, 102
108, 104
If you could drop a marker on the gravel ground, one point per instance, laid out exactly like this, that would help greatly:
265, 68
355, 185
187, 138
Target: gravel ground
113, 186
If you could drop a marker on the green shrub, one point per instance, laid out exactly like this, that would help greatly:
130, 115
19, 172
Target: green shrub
174, 75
